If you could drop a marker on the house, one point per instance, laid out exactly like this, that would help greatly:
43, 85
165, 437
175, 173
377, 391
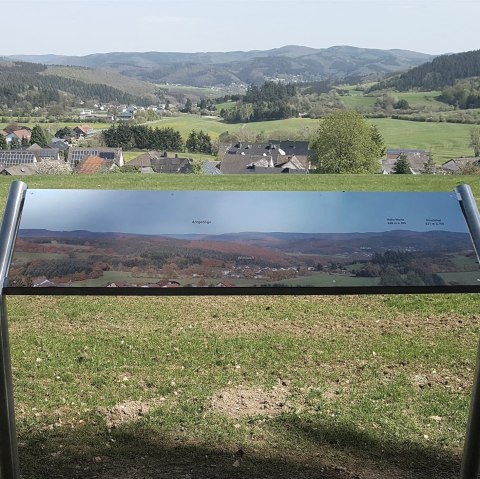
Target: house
59, 144
456, 165
82, 131
18, 135
166, 164
19, 170
240, 164
393, 154
417, 160
211, 168
94, 164
145, 159
126, 115
17, 157
160, 162
43, 154
279, 151
75, 155
86, 113
33, 156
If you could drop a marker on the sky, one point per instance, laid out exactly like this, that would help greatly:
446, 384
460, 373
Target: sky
210, 212
68, 27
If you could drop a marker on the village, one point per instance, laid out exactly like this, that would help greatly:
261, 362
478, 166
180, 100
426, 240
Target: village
64, 156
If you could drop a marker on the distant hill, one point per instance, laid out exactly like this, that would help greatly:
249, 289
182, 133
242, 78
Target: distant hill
291, 62
441, 72
105, 77
25, 84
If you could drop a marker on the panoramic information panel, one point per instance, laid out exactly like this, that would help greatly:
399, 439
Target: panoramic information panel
167, 242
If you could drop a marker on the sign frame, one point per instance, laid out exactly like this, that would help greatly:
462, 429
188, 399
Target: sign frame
9, 462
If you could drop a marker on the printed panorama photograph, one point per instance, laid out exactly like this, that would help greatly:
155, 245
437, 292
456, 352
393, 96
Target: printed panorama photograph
229, 239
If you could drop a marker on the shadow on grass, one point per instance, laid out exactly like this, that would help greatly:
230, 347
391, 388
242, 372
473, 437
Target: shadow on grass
137, 452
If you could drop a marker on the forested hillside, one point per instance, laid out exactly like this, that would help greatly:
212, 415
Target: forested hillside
438, 74
26, 84
105, 77
289, 63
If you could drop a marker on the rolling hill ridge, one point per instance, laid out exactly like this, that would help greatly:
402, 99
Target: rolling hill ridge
208, 69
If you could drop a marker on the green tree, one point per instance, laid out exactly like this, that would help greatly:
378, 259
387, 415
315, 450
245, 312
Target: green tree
204, 143
346, 143
199, 142
402, 165
378, 139
39, 136
188, 106
3, 143
192, 142
475, 140
66, 133
401, 105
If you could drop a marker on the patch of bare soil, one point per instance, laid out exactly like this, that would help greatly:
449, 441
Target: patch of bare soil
240, 401
128, 411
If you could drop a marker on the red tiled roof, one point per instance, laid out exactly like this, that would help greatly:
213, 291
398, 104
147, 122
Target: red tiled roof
92, 164
84, 128
23, 134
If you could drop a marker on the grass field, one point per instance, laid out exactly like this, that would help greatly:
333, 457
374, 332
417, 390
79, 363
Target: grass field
416, 100
421, 100
243, 387
358, 100
215, 125
444, 140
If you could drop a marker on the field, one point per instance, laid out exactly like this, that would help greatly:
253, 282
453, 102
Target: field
243, 387
444, 140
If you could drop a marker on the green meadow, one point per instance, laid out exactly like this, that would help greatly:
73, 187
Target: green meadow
332, 387
444, 140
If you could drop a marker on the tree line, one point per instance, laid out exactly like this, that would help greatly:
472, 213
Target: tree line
464, 94
128, 137
271, 101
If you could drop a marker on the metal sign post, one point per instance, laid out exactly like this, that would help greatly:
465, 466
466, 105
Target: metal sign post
9, 464
471, 453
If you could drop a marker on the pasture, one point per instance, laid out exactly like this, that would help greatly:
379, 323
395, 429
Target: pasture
257, 387
443, 140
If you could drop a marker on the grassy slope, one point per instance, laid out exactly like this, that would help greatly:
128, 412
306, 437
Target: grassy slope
377, 385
